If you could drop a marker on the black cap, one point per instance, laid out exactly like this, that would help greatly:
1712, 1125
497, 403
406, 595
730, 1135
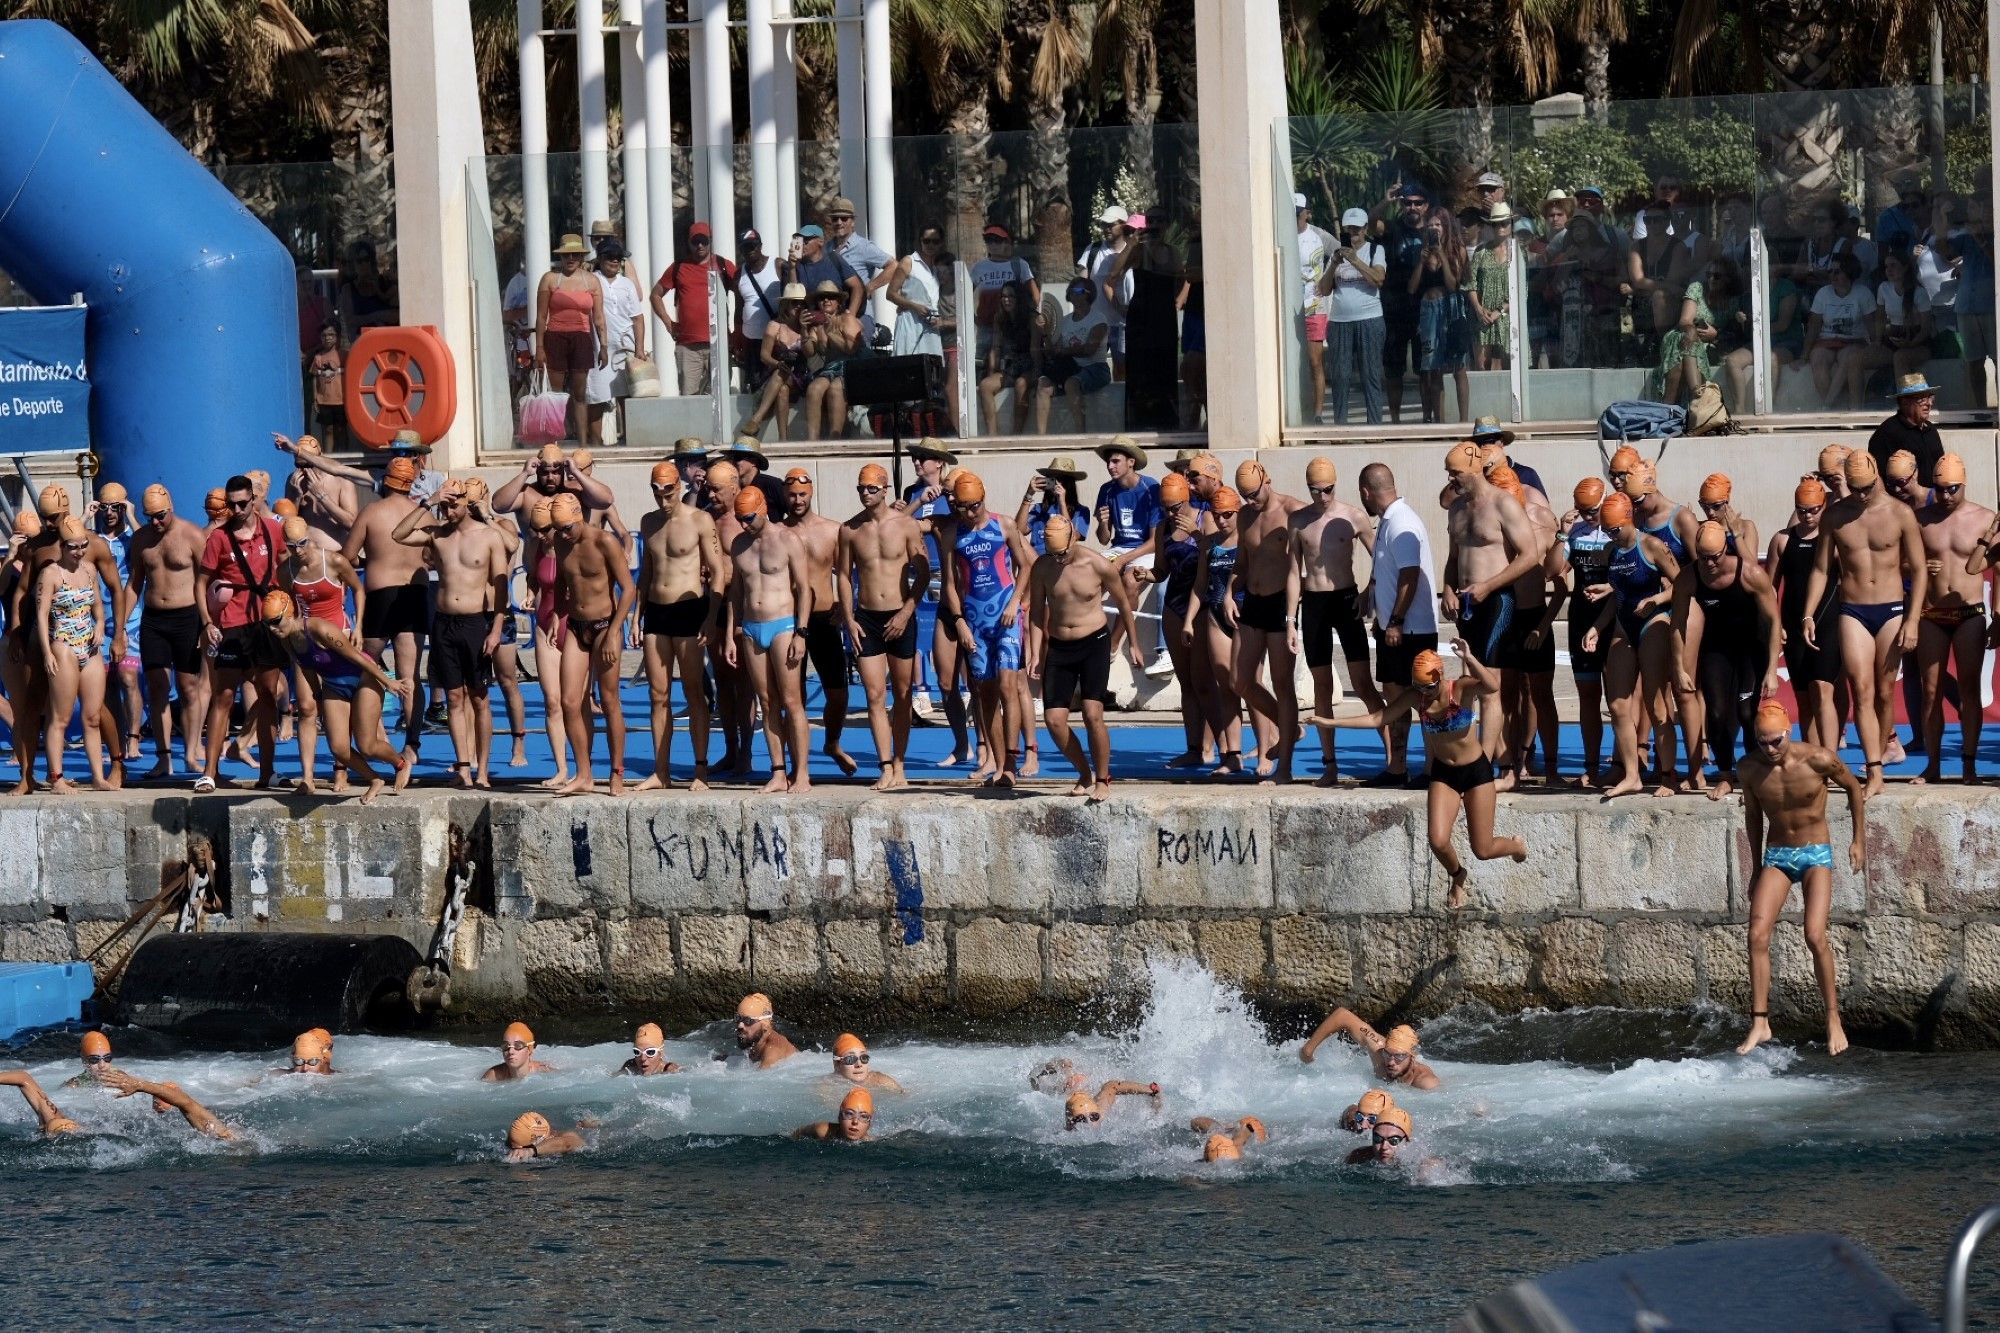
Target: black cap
750, 237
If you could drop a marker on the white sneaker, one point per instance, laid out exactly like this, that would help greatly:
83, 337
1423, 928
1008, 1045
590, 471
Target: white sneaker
920, 703
1161, 665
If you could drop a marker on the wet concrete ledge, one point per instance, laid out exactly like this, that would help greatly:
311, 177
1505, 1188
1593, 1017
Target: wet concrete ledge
941, 902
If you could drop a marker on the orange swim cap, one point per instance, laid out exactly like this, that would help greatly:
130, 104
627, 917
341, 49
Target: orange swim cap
1221, 1148
666, 474
1225, 501
402, 474
798, 476
582, 460
96, 1043
1772, 714
649, 1034
1321, 472
565, 509
519, 1032
306, 444
549, 453
750, 500
1398, 1117
1809, 494
1173, 489
54, 500
295, 529
1589, 493
858, 1100
1426, 668
1250, 475
325, 1037
1625, 459
284, 508
847, 1044
1402, 1040
874, 474
1616, 511
1507, 480
474, 488
1080, 1103
215, 502
539, 514
1860, 469
28, 523
1464, 457
527, 1128
1715, 488
1831, 457
308, 1046
155, 499
1711, 538
71, 529
754, 1005
1255, 1126
278, 604
1374, 1102
1902, 465
260, 481
1645, 480
1950, 471
111, 493
1207, 464
966, 488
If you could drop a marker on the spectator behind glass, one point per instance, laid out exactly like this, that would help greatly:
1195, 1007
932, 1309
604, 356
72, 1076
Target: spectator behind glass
1971, 247
1902, 316
758, 289
1486, 288
1000, 267
1403, 246
1076, 359
1729, 304
1589, 293
868, 260
1194, 335
1152, 327
1667, 193
1590, 201
783, 354
1013, 355
1443, 316
1837, 333
809, 263
688, 323
1351, 290
1863, 249
1095, 263
1544, 257
1902, 222
366, 298
1315, 247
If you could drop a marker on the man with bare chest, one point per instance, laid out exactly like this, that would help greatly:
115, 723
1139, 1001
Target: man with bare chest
1266, 628
161, 561
473, 565
594, 597
1070, 647
1323, 537
397, 615
1492, 546
682, 579
882, 550
825, 649
1784, 808
771, 591
1528, 675
1958, 541
1881, 552
734, 699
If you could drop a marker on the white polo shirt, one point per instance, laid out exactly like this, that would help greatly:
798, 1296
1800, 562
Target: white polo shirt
1401, 542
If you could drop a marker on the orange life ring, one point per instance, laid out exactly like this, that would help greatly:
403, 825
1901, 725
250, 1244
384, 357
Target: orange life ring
400, 379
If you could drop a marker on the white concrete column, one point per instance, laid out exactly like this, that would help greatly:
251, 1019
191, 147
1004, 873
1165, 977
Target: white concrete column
436, 131
535, 238
637, 229
785, 111
720, 151
592, 114
878, 220
853, 113
1236, 49
659, 173
700, 132
760, 61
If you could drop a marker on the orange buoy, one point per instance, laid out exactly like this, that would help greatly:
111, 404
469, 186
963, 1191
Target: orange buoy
400, 379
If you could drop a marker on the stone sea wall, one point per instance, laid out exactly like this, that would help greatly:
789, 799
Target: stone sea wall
938, 902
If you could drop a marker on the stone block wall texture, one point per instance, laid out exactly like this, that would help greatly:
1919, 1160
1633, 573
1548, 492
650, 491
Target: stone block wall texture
942, 902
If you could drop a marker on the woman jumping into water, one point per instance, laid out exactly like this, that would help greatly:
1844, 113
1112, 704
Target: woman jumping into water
1460, 773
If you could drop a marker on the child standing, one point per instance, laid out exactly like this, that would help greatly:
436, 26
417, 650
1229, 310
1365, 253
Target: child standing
329, 388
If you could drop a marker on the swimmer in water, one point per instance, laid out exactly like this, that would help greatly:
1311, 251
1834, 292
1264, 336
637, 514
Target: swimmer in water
199, 1118
50, 1117
531, 1137
1394, 1056
1226, 1144
1082, 1110
1058, 1075
850, 1064
96, 1053
1390, 1132
1784, 786
648, 1056
1361, 1117
326, 1042
755, 1036
309, 1055
857, 1114
517, 1056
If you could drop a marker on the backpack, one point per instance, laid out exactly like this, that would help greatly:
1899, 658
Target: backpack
1636, 419
1706, 415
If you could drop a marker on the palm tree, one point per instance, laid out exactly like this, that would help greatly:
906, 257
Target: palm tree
1467, 41
1598, 24
1045, 48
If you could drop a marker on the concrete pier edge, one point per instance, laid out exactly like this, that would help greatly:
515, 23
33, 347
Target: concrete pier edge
937, 901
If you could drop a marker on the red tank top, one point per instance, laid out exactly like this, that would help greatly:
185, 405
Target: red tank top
569, 312
323, 598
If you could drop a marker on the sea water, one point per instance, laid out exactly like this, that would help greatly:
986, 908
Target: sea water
380, 1195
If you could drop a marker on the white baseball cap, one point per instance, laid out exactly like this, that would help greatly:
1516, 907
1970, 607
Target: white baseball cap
1112, 214
1298, 200
1492, 178
1354, 217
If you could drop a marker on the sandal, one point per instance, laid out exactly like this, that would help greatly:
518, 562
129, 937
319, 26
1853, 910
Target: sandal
204, 784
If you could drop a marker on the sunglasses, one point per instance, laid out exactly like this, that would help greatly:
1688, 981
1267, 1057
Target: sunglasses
295, 546
76, 548
97, 1059
871, 490
1590, 513
646, 1052
1770, 742
1392, 1140
1830, 478
543, 531
859, 1058
1072, 1121
239, 504
699, 242
1810, 511
966, 506
1711, 506
517, 1046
